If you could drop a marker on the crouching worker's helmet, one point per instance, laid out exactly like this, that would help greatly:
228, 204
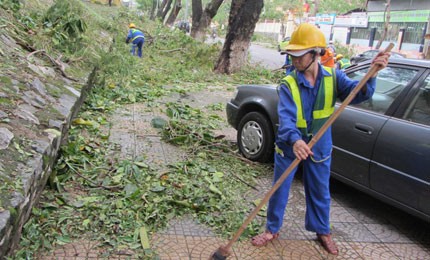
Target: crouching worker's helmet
131, 25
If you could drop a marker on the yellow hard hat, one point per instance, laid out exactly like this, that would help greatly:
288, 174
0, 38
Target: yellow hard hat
131, 25
305, 38
339, 56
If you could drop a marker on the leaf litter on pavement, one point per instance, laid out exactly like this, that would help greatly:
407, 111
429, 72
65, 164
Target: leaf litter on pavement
119, 202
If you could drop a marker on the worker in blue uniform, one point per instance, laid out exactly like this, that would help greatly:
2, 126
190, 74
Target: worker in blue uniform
306, 100
288, 65
137, 38
341, 62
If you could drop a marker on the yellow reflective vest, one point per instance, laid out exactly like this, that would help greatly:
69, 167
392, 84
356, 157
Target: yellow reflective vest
324, 103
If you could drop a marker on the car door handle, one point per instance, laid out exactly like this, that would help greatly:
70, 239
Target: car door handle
364, 128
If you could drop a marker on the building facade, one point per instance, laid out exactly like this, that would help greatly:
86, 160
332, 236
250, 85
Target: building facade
408, 23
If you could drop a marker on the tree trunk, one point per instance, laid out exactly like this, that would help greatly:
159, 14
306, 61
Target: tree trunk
243, 17
153, 10
174, 13
316, 7
387, 22
161, 8
202, 19
197, 9
166, 10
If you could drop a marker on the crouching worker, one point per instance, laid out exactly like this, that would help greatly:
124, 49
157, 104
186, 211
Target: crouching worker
137, 38
307, 97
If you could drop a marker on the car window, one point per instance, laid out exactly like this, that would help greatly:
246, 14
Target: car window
419, 110
389, 83
369, 54
396, 55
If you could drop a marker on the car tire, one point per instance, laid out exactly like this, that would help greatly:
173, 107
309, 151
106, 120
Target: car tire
255, 137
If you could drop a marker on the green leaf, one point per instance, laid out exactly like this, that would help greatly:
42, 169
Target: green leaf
53, 131
157, 188
214, 189
86, 222
62, 240
130, 189
144, 238
141, 164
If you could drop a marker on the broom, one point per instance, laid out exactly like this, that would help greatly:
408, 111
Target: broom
224, 251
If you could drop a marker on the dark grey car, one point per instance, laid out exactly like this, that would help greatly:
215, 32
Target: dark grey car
381, 146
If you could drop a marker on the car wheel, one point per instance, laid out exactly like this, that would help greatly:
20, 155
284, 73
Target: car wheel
255, 137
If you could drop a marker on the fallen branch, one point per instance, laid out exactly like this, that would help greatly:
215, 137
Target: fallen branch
58, 64
111, 188
178, 49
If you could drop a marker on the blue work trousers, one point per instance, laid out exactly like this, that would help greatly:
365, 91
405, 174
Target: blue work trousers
316, 177
137, 46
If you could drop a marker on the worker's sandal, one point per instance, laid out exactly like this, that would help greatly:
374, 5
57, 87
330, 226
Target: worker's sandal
328, 243
264, 238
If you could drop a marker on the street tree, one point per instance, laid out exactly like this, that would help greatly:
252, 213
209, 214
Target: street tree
276, 9
201, 19
338, 7
174, 12
243, 17
164, 9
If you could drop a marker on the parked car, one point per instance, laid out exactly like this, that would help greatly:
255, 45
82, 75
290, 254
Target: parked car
283, 44
381, 146
370, 54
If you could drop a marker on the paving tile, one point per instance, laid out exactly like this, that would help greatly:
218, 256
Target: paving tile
341, 214
344, 231
373, 251
415, 229
388, 233
246, 251
346, 251
203, 247
186, 226
409, 251
368, 215
170, 247
297, 249
293, 230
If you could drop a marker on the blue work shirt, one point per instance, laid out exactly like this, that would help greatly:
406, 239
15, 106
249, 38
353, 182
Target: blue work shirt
288, 133
135, 35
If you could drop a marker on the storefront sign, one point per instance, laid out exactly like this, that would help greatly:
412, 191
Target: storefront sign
354, 20
401, 16
325, 18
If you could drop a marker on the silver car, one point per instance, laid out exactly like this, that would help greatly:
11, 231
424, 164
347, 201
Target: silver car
381, 146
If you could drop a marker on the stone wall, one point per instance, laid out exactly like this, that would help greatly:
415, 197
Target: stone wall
37, 105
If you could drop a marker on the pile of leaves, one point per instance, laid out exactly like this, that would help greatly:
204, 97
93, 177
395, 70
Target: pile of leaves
119, 202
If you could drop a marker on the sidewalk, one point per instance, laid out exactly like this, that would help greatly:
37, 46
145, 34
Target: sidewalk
363, 227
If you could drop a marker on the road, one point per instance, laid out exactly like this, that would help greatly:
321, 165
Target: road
267, 57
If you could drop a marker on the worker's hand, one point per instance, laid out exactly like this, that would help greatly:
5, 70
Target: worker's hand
301, 150
381, 60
